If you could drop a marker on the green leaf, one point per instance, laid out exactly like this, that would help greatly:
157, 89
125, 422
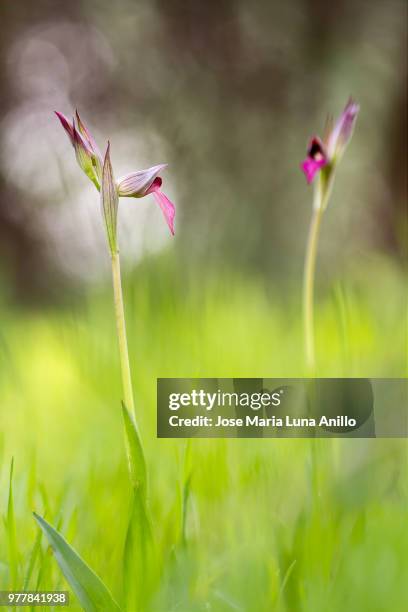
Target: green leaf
32, 559
137, 464
137, 554
185, 498
11, 532
88, 587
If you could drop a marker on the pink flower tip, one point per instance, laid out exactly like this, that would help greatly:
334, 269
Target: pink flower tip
340, 135
68, 127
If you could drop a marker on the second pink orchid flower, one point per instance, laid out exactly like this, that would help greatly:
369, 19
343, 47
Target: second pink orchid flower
329, 152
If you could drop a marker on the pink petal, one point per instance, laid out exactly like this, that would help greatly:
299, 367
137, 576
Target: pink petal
137, 184
91, 145
68, 127
81, 143
85, 132
310, 166
167, 207
83, 154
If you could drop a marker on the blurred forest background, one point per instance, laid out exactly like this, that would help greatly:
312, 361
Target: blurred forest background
228, 93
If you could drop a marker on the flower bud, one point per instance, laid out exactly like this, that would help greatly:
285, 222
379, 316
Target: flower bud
86, 151
89, 139
342, 132
109, 201
84, 156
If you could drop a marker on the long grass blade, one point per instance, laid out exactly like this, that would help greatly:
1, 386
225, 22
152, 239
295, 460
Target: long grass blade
92, 593
11, 533
137, 463
137, 554
33, 557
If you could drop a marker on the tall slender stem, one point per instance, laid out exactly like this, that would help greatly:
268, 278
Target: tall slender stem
122, 338
308, 288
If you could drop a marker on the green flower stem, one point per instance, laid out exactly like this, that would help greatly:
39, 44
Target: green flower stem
308, 288
121, 330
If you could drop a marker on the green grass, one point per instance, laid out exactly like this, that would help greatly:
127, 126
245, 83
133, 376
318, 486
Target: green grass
235, 524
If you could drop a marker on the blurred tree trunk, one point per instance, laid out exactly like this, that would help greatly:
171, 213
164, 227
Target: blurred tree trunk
22, 248
395, 218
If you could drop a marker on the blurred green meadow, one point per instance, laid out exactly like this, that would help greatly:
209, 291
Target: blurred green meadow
254, 525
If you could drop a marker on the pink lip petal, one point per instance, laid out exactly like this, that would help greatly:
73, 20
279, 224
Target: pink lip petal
311, 166
167, 207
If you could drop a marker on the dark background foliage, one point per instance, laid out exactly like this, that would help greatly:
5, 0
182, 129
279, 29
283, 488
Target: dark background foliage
227, 93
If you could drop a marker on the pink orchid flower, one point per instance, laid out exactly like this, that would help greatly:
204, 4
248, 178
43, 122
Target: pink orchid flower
141, 183
99, 171
328, 153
